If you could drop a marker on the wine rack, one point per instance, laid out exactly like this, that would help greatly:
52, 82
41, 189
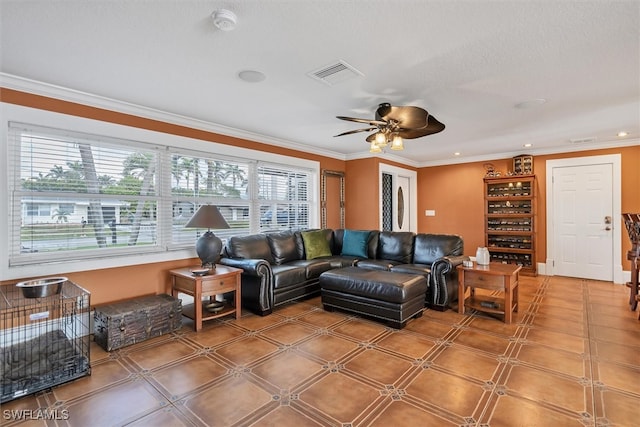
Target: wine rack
510, 207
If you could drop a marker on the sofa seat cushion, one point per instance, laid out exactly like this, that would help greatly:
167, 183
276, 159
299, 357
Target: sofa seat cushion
377, 285
313, 267
376, 264
285, 275
340, 261
421, 269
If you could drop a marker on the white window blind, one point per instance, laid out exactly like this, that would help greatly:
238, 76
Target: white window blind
76, 192
283, 195
198, 179
76, 196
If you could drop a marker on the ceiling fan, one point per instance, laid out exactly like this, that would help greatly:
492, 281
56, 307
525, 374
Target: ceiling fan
392, 124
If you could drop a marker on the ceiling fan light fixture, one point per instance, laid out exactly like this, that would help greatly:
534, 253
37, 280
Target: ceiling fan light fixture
381, 139
397, 143
375, 148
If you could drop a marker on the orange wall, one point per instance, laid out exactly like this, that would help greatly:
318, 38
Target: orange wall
362, 192
630, 192
125, 282
455, 192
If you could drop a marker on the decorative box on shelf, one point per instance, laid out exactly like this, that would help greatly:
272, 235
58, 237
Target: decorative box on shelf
523, 165
131, 321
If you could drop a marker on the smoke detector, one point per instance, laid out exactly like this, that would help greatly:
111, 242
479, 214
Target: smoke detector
224, 19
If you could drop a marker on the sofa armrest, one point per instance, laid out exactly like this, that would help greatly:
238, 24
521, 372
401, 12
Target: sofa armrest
257, 283
444, 281
255, 267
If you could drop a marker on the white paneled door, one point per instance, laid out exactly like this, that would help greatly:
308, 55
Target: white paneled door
398, 199
583, 221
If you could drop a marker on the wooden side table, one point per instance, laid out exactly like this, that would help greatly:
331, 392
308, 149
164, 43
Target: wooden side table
224, 279
495, 276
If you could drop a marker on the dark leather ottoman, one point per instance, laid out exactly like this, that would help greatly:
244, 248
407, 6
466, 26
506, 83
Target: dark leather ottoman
392, 297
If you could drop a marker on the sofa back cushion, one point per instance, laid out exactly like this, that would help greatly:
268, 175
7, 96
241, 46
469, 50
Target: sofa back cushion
395, 246
254, 246
430, 247
283, 247
316, 244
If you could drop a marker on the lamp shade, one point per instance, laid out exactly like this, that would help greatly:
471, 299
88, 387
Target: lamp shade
208, 246
208, 216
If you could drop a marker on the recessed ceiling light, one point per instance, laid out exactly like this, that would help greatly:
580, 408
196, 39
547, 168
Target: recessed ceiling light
531, 103
456, 153
622, 134
251, 76
527, 145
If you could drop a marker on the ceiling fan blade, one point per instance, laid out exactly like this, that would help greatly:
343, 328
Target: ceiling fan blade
367, 121
356, 131
433, 126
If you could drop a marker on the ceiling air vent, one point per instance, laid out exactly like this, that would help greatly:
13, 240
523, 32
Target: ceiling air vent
583, 140
335, 73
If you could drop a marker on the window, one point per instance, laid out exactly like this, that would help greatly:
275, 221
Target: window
77, 196
72, 192
198, 179
283, 198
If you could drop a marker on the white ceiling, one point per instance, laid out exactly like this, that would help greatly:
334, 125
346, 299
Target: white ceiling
469, 63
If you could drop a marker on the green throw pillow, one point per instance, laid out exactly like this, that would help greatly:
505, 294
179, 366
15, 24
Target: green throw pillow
354, 243
316, 244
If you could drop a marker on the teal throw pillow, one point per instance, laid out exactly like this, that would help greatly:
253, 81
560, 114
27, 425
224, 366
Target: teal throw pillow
354, 243
315, 244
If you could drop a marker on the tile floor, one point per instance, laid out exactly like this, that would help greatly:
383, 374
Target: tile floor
572, 358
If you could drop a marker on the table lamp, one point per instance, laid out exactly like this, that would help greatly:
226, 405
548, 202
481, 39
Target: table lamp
208, 246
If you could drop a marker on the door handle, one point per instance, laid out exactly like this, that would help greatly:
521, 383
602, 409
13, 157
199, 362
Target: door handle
607, 219
607, 228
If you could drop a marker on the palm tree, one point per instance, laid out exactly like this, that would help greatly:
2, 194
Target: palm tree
60, 215
187, 166
56, 172
94, 216
176, 170
236, 174
143, 166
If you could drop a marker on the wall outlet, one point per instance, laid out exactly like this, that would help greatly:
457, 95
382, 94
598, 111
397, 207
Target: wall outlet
430, 212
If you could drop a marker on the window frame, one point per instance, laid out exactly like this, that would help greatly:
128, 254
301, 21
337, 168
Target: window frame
167, 143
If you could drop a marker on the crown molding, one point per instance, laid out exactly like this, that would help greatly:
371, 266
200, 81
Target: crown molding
629, 142
22, 84
384, 156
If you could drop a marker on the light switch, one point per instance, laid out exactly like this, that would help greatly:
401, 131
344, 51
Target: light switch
430, 212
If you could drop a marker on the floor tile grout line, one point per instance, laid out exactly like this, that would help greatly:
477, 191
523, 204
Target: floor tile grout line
591, 353
505, 367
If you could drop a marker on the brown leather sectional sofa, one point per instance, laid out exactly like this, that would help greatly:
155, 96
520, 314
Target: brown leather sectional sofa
276, 269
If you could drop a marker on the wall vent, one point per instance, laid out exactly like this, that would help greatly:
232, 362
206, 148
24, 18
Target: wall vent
335, 73
583, 140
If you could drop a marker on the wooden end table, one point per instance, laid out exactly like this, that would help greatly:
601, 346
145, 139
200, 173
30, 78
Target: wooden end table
222, 280
495, 276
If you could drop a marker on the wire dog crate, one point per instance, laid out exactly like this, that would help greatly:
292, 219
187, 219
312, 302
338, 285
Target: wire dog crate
44, 339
